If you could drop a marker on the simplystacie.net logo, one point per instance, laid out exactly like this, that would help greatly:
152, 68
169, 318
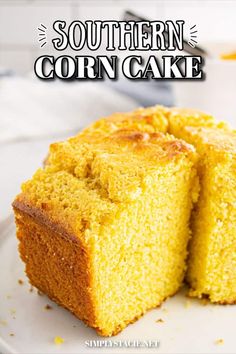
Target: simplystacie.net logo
160, 40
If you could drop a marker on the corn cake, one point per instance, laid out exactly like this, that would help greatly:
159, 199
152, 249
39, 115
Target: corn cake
213, 141
103, 228
212, 259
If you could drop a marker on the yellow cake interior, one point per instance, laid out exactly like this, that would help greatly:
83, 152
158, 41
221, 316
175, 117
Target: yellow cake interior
215, 144
127, 199
104, 226
212, 261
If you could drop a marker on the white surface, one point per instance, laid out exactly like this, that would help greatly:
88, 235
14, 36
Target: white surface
216, 94
32, 108
189, 327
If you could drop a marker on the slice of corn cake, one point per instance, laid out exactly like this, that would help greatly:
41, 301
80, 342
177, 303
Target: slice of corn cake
201, 264
212, 260
103, 228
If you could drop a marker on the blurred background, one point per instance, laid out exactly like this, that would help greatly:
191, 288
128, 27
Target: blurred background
215, 21
20, 18
34, 113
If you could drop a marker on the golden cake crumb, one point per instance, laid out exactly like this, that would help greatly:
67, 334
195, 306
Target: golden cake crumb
11, 334
58, 340
48, 307
20, 282
204, 301
160, 320
165, 310
3, 322
187, 304
31, 289
219, 341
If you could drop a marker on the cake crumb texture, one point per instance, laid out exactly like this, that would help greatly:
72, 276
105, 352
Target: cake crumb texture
212, 259
104, 227
58, 340
219, 341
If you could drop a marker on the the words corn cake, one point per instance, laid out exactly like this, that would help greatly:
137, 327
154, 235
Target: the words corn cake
103, 229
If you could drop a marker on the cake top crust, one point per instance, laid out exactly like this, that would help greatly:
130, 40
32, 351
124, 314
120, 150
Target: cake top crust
88, 179
149, 119
119, 162
131, 146
190, 112
216, 139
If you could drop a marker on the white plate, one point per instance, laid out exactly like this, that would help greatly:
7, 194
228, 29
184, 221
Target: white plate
188, 327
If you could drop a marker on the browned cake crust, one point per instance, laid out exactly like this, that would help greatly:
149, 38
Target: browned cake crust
49, 253
41, 251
